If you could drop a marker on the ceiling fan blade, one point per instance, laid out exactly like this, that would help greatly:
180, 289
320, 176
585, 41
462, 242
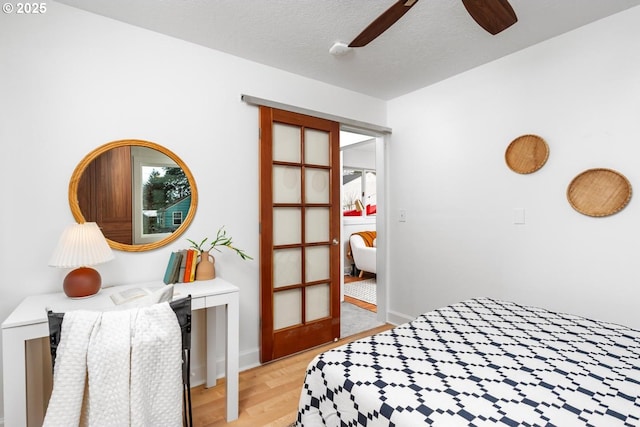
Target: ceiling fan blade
492, 15
382, 23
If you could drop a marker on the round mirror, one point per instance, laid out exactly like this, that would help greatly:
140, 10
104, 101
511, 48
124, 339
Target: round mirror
141, 194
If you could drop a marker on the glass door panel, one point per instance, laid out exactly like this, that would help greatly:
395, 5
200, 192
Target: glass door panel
317, 302
287, 226
316, 185
317, 225
316, 263
286, 143
316, 147
287, 308
286, 184
287, 267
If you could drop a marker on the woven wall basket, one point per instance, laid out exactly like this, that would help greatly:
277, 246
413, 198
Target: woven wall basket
599, 192
526, 154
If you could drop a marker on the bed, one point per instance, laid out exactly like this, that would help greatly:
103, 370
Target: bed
479, 362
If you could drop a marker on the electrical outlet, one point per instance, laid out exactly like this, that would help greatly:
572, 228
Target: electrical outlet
403, 216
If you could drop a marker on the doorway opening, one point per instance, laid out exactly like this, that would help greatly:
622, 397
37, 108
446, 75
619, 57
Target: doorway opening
359, 198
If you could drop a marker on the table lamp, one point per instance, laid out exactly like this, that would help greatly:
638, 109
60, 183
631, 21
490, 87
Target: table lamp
81, 246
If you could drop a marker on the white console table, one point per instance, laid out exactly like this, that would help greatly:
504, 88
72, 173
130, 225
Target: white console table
29, 321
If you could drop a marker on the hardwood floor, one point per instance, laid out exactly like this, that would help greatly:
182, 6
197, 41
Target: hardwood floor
269, 393
365, 276
361, 304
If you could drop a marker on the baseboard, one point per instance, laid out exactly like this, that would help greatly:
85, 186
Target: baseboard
248, 359
398, 318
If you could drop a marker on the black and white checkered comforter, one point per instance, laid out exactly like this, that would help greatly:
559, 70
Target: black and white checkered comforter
480, 362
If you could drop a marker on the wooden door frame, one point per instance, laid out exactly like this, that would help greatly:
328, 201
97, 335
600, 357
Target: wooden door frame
295, 339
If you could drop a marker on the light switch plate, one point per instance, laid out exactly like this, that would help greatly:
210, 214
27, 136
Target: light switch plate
518, 216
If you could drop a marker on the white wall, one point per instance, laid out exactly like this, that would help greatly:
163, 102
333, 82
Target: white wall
581, 93
360, 157
71, 81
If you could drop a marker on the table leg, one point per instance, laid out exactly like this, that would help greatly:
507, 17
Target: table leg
212, 371
232, 358
14, 372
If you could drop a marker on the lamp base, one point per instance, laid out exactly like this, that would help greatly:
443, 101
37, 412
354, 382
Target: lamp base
82, 282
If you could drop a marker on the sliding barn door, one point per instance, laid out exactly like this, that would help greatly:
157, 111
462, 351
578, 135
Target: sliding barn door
300, 232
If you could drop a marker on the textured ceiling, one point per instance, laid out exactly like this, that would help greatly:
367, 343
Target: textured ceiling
434, 40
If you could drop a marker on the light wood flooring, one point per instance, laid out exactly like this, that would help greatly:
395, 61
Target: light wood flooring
269, 393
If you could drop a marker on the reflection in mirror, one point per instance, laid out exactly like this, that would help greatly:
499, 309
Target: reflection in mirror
141, 194
162, 195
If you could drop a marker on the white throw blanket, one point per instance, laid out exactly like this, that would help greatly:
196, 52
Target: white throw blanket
133, 362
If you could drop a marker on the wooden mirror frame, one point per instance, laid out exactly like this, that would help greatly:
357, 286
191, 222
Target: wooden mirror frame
84, 163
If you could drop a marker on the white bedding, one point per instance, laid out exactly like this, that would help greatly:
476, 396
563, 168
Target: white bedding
480, 362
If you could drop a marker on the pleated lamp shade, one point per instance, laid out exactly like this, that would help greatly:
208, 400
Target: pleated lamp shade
81, 245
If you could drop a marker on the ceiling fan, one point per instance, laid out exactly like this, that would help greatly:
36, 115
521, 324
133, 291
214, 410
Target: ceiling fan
492, 15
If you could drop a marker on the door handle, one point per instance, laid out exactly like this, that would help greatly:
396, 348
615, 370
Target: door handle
335, 241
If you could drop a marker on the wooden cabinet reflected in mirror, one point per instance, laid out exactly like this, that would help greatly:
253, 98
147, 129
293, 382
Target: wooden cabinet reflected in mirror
104, 194
141, 195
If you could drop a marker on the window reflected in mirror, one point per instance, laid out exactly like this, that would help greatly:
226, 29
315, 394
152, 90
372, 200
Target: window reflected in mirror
165, 199
162, 199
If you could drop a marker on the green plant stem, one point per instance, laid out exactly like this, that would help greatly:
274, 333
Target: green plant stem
221, 240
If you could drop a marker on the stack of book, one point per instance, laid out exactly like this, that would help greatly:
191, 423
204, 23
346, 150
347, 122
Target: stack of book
181, 267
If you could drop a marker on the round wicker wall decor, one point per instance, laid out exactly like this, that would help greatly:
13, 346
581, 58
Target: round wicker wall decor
526, 154
599, 192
